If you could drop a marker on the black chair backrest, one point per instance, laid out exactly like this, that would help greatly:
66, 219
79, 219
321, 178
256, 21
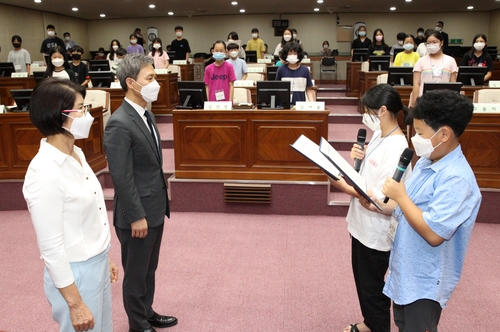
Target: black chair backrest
328, 61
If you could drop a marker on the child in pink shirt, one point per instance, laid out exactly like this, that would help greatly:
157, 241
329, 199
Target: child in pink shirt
219, 76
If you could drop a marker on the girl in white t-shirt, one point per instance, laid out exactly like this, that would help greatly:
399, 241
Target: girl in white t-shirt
370, 244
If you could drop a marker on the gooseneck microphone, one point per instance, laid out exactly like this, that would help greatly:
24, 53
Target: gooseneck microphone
404, 161
360, 142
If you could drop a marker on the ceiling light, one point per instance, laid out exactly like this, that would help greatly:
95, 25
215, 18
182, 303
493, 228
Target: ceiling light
320, 1
408, 0
242, 10
170, 13
152, 6
234, 3
103, 15
38, 1
316, 9
74, 9
392, 8
470, 7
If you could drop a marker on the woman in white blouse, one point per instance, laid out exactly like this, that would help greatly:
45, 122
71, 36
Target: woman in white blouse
68, 213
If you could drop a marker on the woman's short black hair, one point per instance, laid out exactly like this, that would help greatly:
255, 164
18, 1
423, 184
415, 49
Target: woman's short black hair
440, 108
17, 37
384, 95
295, 47
48, 99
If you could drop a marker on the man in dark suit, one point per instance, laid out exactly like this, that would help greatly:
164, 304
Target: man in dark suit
132, 144
439, 27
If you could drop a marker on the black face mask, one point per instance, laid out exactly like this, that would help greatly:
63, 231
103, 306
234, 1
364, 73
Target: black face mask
16, 45
76, 56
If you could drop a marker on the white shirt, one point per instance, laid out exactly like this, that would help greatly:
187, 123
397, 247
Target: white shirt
141, 111
67, 209
61, 74
381, 159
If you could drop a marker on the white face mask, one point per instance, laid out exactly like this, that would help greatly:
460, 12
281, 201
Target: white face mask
439, 28
420, 34
423, 146
115, 47
80, 127
287, 37
51, 33
150, 91
57, 62
479, 46
67, 39
433, 48
400, 42
254, 35
325, 47
292, 58
408, 47
178, 33
233, 54
371, 121
294, 36
157, 46
133, 41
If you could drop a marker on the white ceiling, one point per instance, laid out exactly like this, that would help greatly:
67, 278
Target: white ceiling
91, 9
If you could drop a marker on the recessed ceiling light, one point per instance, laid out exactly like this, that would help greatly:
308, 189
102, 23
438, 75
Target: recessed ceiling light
316, 9
74, 9
408, 0
320, 1
38, 1
103, 15
470, 7
170, 13
392, 8
152, 6
242, 10
234, 3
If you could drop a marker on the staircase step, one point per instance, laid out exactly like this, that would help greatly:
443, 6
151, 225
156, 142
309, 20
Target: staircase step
338, 100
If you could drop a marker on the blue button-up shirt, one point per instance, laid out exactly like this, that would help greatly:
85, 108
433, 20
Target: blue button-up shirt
449, 197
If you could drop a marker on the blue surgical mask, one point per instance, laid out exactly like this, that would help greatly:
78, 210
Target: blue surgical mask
408, 47
362, 33
219, 55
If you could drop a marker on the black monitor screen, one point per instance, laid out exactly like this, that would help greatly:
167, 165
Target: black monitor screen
39, 75
473, 75
359, 54
22, 98
271, 73
171, 55
397, 50
192, 95
251, 56
380, 62
492, 51
400, 76
453, 86
99, 65
273, 94
101, 79
6, 69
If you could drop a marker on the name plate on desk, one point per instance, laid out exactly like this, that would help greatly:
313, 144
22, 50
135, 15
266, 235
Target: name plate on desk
115, 85
264, 60
310, 106
2, 109
494, 84
486, 108
161, 71
180, 62
306, 60
255, 69
218, 106
19, 75
243, 83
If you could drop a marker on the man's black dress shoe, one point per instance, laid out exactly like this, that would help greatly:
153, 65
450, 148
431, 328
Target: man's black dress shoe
162, 321
146, 330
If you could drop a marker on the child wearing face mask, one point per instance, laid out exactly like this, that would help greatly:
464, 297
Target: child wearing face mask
370, 245
409, 57
51, 41
58, 66
219, 76
160, 58
477, 56
80, 69
378, 47
233, 37
362, 41
298, 75
420, 37
400, 38
101, 55
180, 45
326, 51
434, 67
256, 44
134, 47
119, 55
285, 39
113, 47
240, 66
19, 56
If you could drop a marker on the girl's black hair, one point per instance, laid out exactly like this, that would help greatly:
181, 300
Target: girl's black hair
292, 47
111, 50
50, 66
384, 95
283, 41
233, 35
434, 33
374, 40
472, 50
220, 42
160, 50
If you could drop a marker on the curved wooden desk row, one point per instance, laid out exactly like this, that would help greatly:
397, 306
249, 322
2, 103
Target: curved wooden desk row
20, 142
246, 144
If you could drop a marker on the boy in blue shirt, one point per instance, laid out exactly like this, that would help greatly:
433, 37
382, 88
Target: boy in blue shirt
434, 216
240, 66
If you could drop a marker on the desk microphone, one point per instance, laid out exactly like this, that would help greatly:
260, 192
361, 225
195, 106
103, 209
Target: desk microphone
404, 161
360, 142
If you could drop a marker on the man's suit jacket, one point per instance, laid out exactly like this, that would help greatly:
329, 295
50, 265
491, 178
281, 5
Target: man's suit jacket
135, 164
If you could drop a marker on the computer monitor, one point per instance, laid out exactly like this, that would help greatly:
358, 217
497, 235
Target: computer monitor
99, 65
171, 55
380, 62
22, 98
400, 76
471, 75
271, 72
192, 95
453, 86
101, 79
396, 51
273, 95
251, 56
359, 54
492, 51
39, 76
6, 69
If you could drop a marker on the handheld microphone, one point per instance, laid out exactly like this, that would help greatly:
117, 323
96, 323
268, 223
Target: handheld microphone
360, 142
404, 161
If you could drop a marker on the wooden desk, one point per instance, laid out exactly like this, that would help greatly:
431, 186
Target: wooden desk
245, 144
253, 92
20, 141
352, 79
367, 79
8, 83
187, 72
